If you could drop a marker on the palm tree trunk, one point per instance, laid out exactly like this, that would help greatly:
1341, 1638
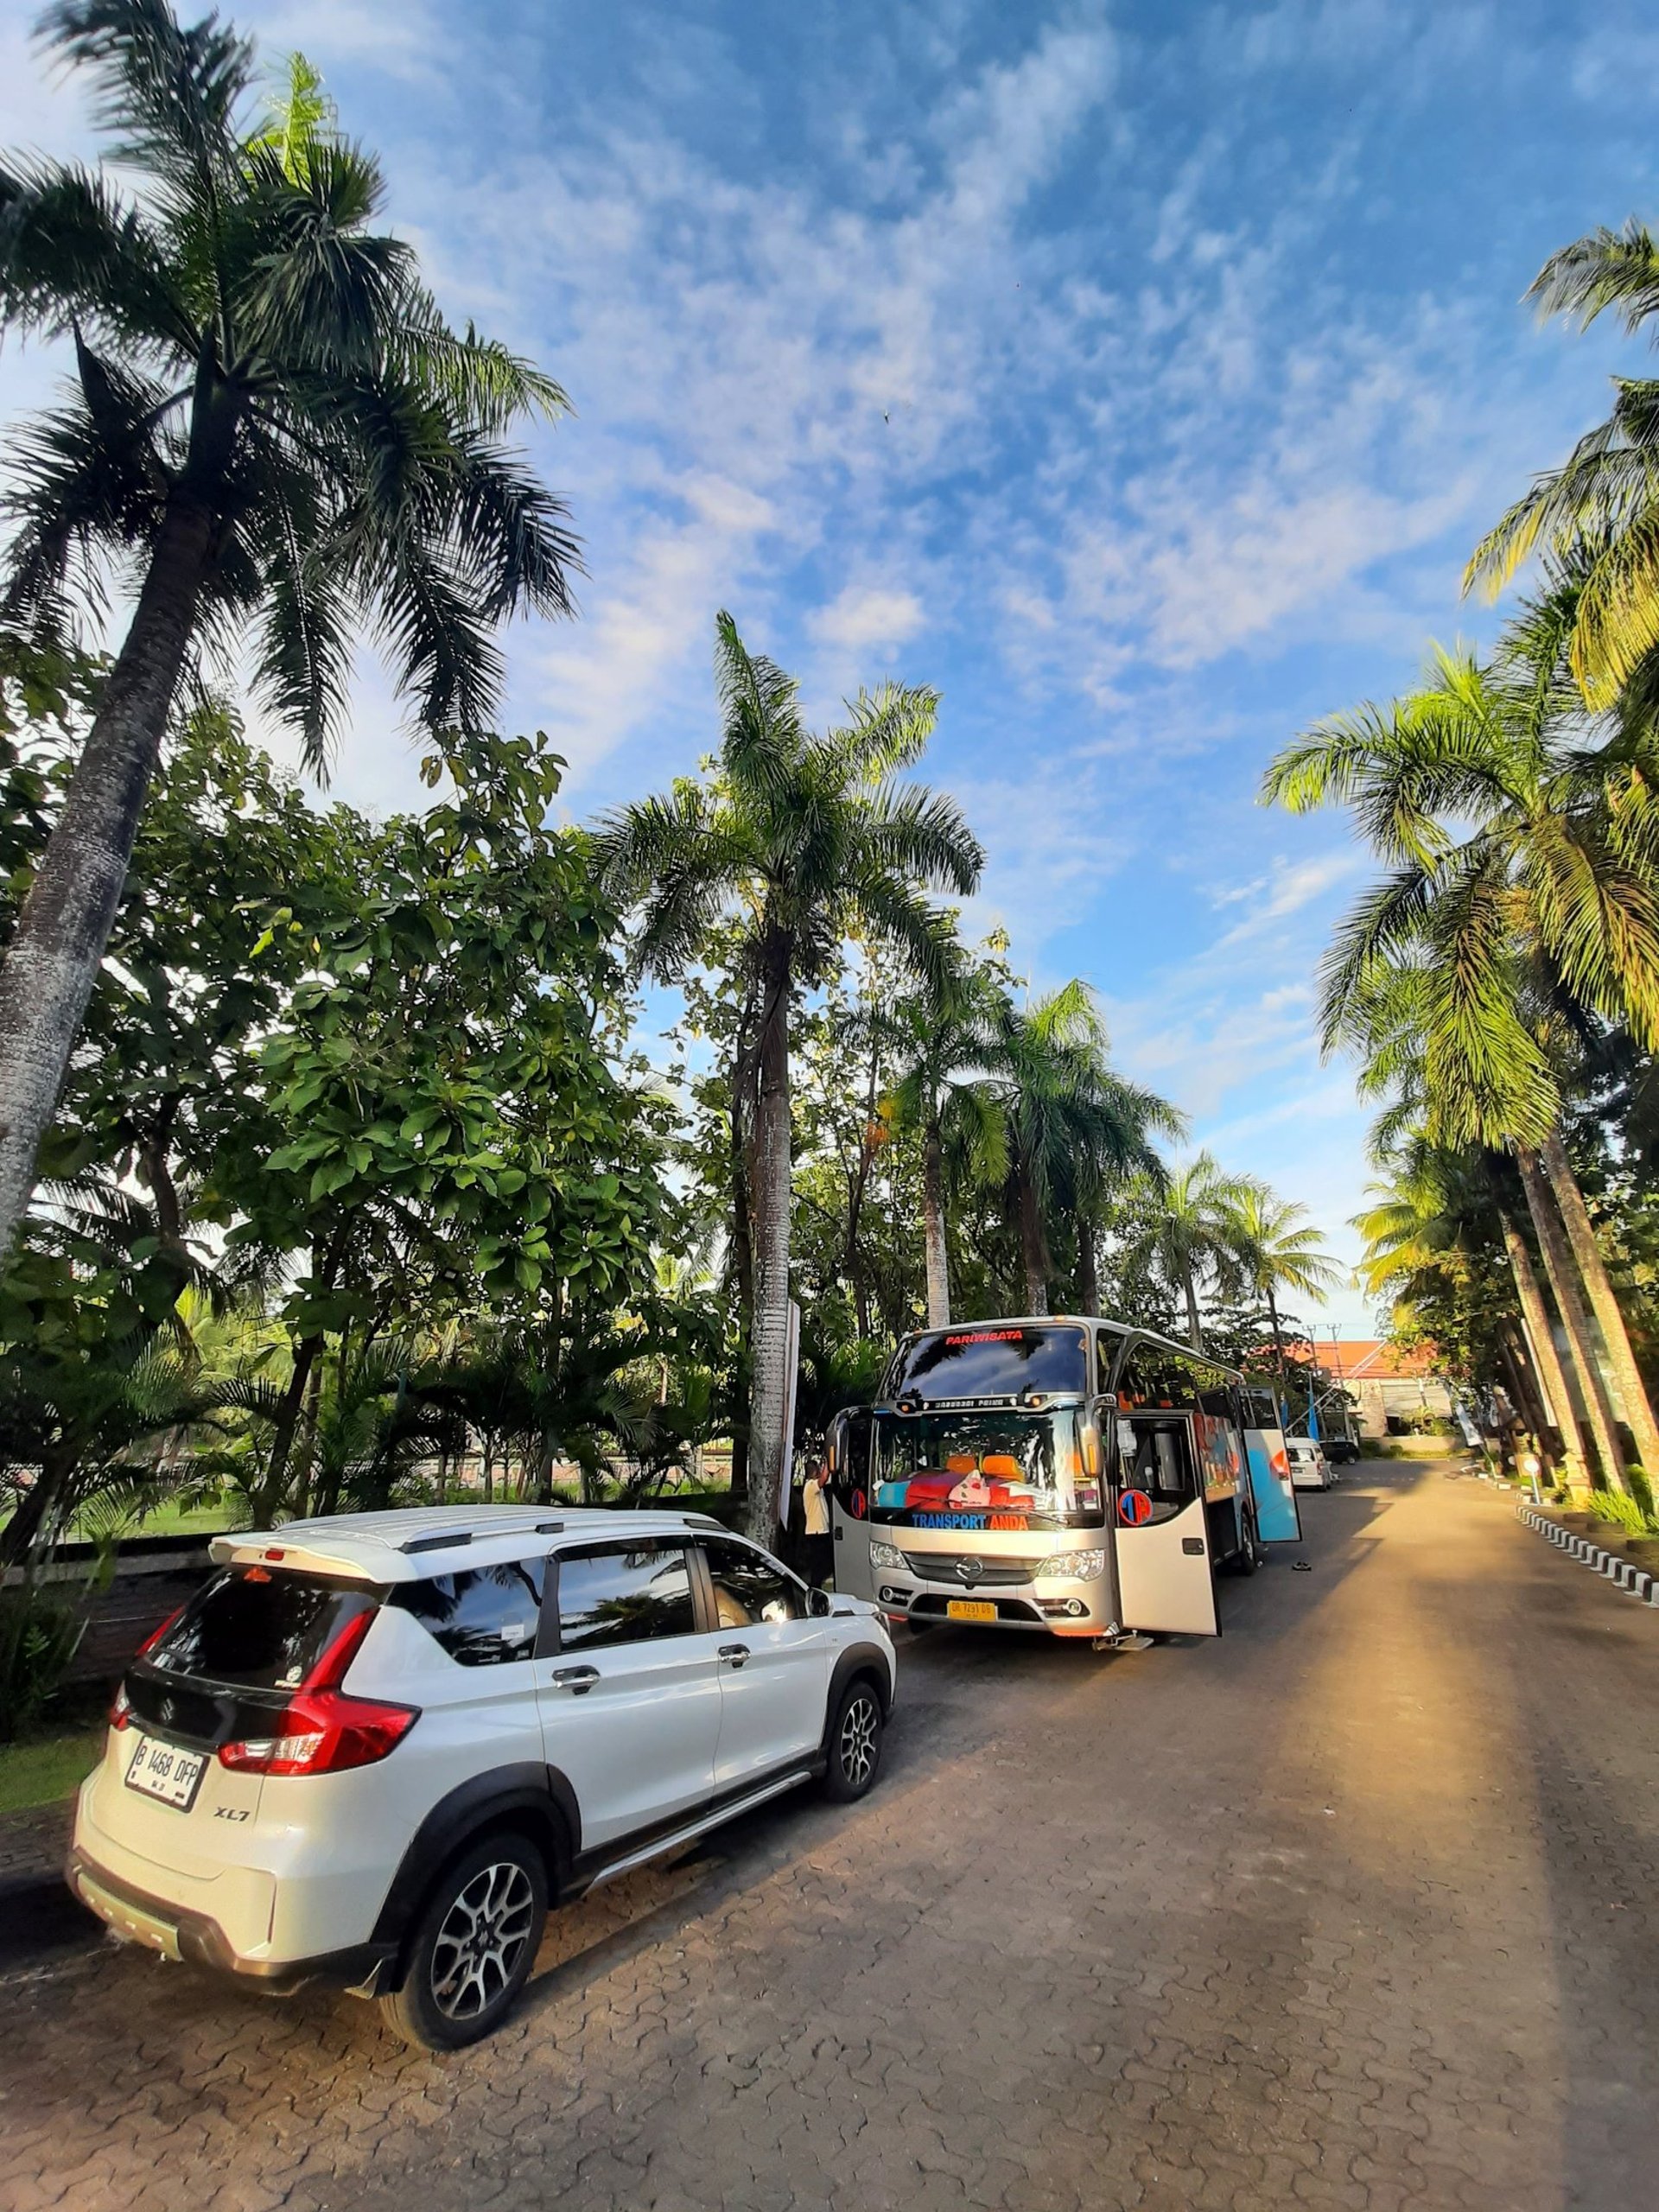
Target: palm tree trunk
742, 1247
769, 1388
1575, 1319
1524, 1389
1194, 1333
52, 961
938, 1259
1033, 1249
1545, 1360
1278, 1339
1580, 1232
1088, 1267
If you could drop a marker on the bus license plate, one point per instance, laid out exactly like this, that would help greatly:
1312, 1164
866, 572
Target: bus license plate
162, 1770
969, 1609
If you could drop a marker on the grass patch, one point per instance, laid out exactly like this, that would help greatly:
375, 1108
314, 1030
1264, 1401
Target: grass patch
40, 1772
172, 1519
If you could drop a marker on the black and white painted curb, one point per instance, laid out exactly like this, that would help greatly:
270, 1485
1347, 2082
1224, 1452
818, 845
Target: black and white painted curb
1622, 1573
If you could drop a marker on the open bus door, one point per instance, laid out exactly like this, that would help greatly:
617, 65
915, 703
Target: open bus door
1278, 1518
851, 1437
1166, 1579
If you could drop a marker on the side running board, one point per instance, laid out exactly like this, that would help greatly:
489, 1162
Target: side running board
661, 1846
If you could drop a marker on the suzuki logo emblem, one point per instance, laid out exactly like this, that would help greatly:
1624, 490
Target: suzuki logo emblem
970, 1570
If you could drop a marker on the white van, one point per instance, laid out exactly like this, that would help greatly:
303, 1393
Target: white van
1309, 1468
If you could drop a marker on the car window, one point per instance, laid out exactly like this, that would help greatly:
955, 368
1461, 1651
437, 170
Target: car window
259, 1627
624, 1594
483, 1616
749, 1590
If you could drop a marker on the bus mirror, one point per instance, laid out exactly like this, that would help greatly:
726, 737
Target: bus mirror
1091, 1450
832, 1443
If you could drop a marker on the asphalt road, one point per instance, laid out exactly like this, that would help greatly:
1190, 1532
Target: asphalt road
1353, 1907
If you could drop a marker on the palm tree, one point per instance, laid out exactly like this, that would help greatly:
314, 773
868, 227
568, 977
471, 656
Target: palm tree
1278, 1249
803, 838
944, 1095
1520, 901
1439, 1214
1600, 509
1187, 1231
1075, 1127
271, 430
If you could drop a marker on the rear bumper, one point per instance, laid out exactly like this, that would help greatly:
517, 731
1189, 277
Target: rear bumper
176, 1932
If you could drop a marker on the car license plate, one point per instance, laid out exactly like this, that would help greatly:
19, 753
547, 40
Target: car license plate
969, 1609
162, 1770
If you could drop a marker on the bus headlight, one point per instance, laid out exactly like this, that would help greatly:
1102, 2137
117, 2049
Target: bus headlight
1071, 1567
887, 1555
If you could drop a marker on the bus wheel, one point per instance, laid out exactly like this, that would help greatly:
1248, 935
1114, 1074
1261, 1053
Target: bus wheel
1248, 1556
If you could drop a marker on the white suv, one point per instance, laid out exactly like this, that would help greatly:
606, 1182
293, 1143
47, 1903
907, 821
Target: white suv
373, 1748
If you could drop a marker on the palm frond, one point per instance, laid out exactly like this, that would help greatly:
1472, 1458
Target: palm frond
166, 94
1616, 270
74, 255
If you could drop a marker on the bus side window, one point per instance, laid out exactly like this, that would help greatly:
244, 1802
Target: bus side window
1163, 1468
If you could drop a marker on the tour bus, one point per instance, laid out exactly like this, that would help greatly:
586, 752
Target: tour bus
1059, 1473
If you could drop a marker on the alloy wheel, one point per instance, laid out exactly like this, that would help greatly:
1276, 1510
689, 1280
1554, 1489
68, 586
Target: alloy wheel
860, 1725
482, 1940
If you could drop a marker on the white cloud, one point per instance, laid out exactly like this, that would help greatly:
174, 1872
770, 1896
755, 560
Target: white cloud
867, 619
405, 42
1284, 891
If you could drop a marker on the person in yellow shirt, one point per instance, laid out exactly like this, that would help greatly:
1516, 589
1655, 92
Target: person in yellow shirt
815, 1516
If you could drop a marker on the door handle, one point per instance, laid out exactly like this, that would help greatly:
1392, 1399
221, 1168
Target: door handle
735, 1653
577, 1680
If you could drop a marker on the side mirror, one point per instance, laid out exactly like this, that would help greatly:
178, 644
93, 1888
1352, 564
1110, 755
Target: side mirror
818, 1603
1091, 1450
835, 1443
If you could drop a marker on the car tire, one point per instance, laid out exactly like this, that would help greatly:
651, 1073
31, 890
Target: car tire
474, 1946
854, 1743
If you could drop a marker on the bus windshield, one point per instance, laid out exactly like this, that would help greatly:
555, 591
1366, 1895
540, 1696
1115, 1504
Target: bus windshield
996, 1359
981, 1471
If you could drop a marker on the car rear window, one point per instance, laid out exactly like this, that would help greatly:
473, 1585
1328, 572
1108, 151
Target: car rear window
259, 1627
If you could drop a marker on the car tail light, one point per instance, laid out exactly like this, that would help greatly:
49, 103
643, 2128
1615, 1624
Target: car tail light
121, 1711
321, 1729
156, 1634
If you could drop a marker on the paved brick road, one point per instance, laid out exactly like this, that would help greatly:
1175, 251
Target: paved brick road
1354, 1908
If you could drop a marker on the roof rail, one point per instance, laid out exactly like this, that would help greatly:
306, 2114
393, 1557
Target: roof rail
444, 1540
548, 1529
706, 1521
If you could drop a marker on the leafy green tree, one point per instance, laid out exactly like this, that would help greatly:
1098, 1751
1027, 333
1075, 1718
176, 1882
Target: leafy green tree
271, 428
1599, 512
1520, 878
450, 1128
806, 838
1439, 1236
1186, 1228
946, 1097
1074, 1127
1279, 1248
164, 1075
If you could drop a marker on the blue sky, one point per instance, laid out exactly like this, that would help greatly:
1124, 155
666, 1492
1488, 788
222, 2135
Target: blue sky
1139, 376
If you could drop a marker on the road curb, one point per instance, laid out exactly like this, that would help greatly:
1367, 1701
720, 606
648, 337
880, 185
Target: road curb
1623, 1574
